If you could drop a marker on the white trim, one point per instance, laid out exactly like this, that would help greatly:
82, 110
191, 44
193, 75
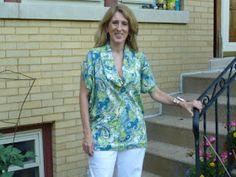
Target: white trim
36, 136
227, 46
83, 11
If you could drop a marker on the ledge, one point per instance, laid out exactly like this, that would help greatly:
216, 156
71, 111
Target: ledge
83, 12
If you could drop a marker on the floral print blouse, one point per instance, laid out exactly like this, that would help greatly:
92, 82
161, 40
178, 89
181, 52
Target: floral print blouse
115, 106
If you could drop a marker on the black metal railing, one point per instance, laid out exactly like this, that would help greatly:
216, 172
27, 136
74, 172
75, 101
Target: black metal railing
210, 98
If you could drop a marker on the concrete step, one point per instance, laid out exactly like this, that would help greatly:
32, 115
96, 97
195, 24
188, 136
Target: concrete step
222, 111
167, 160
220, 63
164, 128
198, 83
148, 174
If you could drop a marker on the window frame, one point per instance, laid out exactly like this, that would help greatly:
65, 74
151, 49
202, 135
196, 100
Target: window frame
227, 46
46, 149
21, 137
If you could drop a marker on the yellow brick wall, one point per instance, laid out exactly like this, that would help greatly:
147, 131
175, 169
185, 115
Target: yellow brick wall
52, 51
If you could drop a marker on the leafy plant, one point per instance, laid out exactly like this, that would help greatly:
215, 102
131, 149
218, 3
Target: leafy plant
10, 155
210, 167
231, 137
227, 157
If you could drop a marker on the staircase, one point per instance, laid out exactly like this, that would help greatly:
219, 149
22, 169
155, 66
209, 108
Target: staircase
170, 135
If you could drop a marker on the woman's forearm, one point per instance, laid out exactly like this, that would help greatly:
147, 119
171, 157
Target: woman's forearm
84, 107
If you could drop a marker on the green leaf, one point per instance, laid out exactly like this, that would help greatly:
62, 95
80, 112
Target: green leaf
7, 174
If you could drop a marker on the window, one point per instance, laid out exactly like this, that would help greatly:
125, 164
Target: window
137, 1
85, 10
226, 15
36, 138
27, 141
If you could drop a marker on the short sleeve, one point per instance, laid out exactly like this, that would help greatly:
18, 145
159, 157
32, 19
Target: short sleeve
87, 71
148, 83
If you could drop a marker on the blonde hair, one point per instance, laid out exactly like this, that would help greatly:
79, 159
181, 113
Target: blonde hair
101, 35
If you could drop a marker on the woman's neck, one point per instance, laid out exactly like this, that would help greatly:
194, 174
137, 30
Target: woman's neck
117, 48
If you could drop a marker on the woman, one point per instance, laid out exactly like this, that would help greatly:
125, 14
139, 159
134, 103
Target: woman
113, 77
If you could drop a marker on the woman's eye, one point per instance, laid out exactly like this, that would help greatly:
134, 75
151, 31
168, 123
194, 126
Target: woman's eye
115, 22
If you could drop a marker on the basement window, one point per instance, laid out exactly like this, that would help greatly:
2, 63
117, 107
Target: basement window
27, 141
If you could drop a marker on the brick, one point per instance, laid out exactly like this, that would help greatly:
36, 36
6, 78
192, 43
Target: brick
26, 90
3, 99
7, 92
3, 116
71, 100
27, 45
70, 31
41, 96
27, 30
34, 38
42, 52
17, 38
52, 117
8, 46
72, 115
61, 52
86, 31
38, 23
71, 45
30, 61
72, 59
51, 88
40, 67
42, 111
40, 82
32, 104
67, 166
50, 45
82, 38
55, 102
7, 30
63, 80
64, 94
70, 87
49, 30
31, 120
17, 83
17, 53
65, 124
15, 114
2, 54
8, 61
52, 74
15, 23
64, 108
51, 60
66, 138
16, 99
74, 144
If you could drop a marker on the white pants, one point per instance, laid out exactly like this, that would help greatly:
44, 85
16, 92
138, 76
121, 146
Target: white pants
127, 163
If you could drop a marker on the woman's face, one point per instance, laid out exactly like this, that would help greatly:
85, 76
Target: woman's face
118, 29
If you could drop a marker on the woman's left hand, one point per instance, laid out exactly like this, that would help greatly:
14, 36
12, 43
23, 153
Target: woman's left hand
189, 105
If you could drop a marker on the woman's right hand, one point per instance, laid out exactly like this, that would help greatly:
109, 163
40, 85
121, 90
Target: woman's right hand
88, 144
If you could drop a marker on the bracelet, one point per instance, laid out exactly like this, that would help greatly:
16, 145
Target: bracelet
177, 100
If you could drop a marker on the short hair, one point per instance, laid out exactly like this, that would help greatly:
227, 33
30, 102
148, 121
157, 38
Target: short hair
101, 35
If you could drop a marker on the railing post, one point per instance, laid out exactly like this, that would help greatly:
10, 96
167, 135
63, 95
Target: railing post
196, 137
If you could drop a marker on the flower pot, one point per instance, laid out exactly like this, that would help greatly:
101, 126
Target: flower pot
109, 3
